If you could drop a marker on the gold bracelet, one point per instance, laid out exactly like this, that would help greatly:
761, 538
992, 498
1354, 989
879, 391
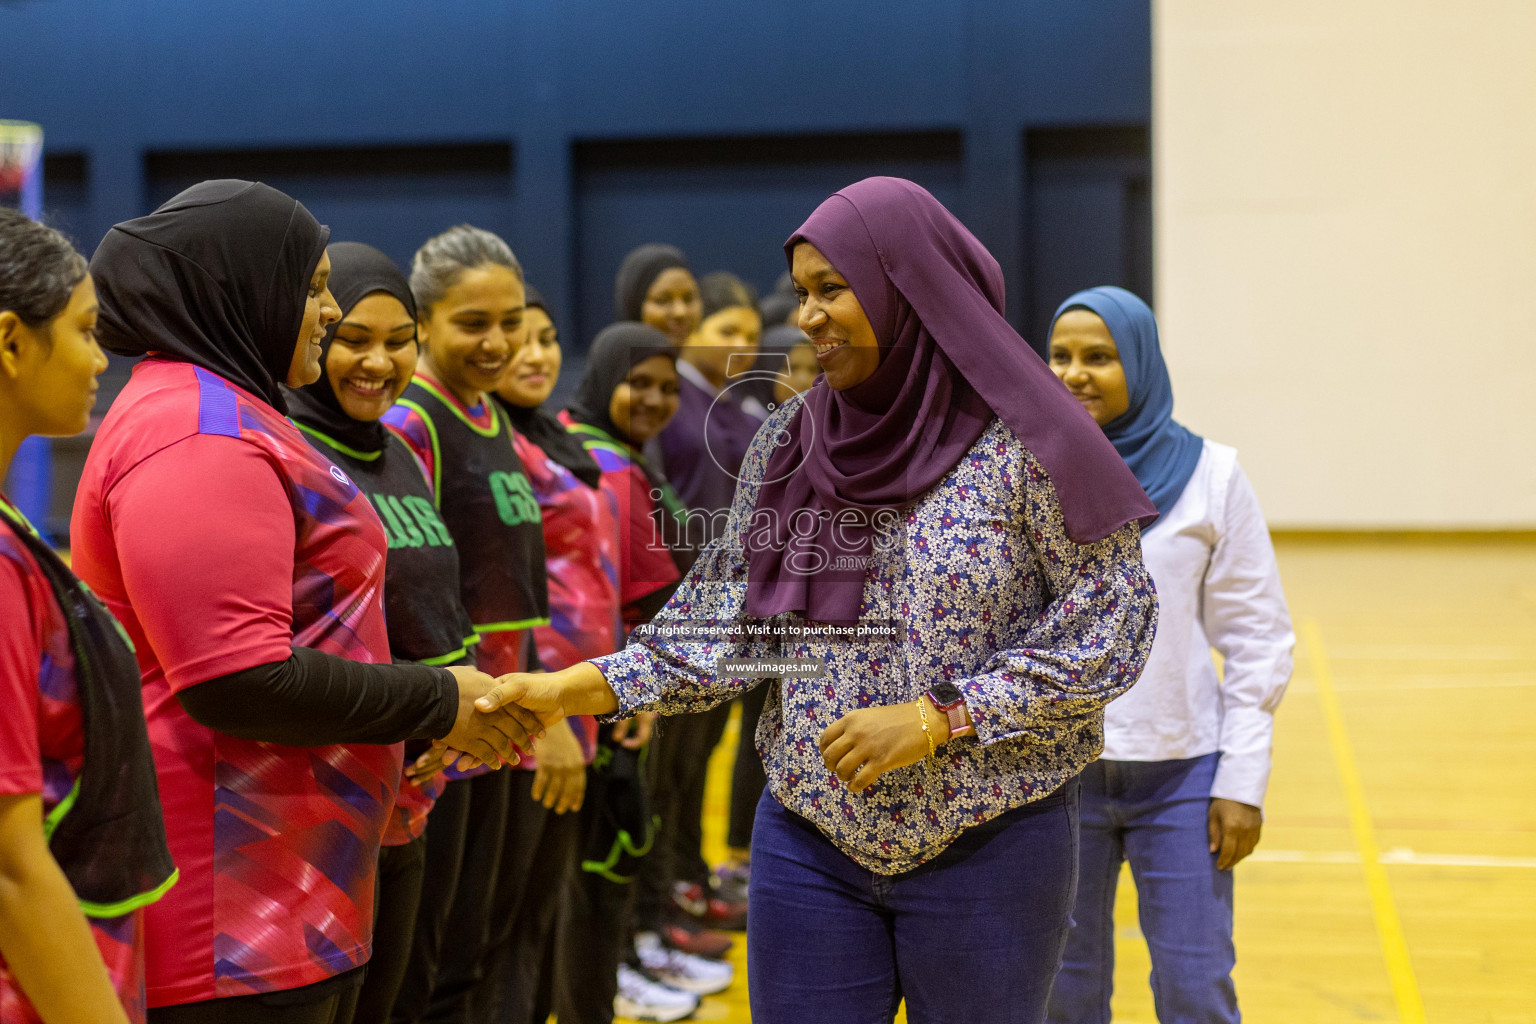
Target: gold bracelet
922, 712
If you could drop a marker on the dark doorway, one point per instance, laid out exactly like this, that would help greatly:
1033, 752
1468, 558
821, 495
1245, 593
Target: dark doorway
1088, 216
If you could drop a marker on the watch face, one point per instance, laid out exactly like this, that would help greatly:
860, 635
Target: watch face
945, 693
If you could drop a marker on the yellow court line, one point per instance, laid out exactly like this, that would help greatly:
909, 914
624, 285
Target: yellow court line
1405, 989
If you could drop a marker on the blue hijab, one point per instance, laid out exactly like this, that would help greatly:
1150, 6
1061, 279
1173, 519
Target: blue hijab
1160, 451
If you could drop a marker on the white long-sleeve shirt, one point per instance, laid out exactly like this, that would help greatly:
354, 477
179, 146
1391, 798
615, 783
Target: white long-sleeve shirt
1218, 586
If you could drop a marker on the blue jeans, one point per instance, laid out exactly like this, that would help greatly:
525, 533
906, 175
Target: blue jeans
972, 937
1152, 814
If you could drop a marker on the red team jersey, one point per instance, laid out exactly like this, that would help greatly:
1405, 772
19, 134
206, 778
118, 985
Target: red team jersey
221, 540
581, 540
42, 744
644, 563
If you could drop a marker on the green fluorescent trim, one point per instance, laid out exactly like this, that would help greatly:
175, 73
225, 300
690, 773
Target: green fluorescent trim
507, 627
445, 659
453, 407
472, 639
600, 440
128, 906
57, 814
598, 433
437, 452
133, 903
352, 453
608, 446
622, 843
17, 518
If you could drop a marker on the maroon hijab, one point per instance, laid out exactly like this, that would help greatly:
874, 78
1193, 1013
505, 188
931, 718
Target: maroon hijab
949, 363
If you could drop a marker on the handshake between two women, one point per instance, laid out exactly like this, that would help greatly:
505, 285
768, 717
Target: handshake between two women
498, 717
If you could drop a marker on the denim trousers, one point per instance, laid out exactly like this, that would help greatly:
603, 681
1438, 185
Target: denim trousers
1153, 815
974, 936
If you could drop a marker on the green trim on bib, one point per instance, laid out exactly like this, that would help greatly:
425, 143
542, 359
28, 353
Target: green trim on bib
351, 453
453, 407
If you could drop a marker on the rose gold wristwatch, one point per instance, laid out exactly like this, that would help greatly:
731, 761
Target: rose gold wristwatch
947, 698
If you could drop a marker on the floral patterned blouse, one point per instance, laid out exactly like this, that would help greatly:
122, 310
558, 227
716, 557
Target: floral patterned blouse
1038, 632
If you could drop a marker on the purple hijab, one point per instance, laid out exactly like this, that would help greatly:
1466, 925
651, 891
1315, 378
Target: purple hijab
949, 362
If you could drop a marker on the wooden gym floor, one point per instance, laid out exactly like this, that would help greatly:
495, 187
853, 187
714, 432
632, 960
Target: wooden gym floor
1396, 879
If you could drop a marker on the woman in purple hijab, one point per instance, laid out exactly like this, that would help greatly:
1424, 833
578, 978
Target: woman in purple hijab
936, 554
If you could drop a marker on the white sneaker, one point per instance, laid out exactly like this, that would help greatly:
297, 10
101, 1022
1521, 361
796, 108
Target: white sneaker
640, 998
683, 970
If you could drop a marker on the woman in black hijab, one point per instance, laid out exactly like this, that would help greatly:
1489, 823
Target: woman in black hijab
628, 393
656, 287
274, 711
367, 359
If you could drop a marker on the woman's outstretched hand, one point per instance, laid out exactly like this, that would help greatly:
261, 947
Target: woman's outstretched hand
865, 744
490, 738
550, 696
478, 737
532, 693
535, 699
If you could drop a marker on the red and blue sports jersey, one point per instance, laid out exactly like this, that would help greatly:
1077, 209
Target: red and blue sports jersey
581, 541
645, 564
42, 744
221, 539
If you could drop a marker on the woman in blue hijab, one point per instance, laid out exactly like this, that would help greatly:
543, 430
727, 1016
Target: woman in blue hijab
1179, 789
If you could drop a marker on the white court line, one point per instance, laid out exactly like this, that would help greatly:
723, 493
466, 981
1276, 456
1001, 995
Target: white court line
1397, 855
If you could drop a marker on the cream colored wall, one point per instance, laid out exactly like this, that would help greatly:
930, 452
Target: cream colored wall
1346, 251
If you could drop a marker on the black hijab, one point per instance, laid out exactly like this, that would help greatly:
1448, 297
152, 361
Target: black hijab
638, 272
540, 426
357, 271
617, 349
216, 277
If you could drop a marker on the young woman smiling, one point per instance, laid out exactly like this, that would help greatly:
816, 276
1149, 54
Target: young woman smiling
470, 309
656, 287
367, 360
82, 842
249, 570
1179, 789
967, 499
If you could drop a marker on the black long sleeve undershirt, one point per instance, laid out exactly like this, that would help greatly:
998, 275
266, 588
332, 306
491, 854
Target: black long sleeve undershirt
315, 699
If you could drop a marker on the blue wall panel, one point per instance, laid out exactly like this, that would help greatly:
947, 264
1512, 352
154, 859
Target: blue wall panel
134, 90
729, 207
118, 79
389, 197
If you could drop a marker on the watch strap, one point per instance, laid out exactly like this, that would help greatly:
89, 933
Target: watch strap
958, 726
